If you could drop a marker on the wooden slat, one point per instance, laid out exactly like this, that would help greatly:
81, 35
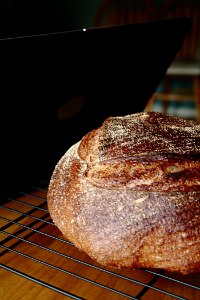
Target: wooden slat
63, 260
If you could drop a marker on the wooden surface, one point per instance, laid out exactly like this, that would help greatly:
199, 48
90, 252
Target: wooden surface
36, 253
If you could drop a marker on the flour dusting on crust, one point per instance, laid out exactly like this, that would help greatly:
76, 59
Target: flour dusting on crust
148, 133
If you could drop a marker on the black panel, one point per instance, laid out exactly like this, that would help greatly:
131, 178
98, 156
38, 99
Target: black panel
113, 71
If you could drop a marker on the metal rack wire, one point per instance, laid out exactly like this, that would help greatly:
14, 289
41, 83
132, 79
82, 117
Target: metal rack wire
39, 263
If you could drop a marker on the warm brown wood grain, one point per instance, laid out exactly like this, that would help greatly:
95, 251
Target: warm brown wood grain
15, 287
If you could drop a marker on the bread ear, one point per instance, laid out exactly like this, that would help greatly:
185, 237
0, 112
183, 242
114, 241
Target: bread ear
166, 175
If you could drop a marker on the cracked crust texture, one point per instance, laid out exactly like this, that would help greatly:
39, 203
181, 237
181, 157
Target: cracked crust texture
128, 194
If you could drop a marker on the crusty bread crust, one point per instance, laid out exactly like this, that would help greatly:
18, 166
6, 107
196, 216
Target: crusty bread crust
128, 194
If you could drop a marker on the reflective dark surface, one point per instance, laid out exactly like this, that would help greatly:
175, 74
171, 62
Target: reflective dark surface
111, 71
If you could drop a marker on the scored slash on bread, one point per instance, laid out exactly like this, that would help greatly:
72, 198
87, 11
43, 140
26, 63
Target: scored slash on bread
128, 194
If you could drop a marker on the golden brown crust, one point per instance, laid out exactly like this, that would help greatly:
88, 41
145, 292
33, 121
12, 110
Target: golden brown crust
128, 194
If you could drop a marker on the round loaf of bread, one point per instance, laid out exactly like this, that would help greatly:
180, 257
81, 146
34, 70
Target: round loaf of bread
128, 194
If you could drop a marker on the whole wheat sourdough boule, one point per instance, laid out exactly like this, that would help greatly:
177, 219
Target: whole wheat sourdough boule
128, 194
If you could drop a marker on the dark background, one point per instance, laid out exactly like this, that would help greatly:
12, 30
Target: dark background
33, 88
35, 75
21, 17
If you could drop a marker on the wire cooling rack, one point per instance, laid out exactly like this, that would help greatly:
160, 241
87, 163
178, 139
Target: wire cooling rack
38, 263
